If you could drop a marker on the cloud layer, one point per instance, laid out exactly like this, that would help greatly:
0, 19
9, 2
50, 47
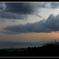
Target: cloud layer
8, 15
18, 10
21, 8
13, 10
54, 5
49, 25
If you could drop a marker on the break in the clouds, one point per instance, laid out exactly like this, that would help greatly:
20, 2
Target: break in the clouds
49, 25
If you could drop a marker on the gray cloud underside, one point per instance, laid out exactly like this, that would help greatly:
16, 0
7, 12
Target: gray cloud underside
49, 25
8, 15
22, 10
29, 8
18, 10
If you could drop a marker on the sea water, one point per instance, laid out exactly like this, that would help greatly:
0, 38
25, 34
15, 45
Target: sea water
4, 45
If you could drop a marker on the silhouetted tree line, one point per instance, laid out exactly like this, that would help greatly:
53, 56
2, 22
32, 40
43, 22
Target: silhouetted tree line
46, 50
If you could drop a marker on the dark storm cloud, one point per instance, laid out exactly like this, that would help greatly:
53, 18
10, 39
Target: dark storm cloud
49, 25
29, 8
23, 8
19, 10
8, 15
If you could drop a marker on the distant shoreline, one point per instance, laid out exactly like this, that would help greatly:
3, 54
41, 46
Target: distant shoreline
4, 45
46, 50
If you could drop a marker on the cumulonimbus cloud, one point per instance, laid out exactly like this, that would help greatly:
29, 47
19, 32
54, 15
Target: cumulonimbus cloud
49, 25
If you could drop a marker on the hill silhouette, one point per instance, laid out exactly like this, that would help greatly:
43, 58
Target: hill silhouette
46, 50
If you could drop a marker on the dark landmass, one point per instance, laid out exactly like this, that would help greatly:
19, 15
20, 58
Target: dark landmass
46, 50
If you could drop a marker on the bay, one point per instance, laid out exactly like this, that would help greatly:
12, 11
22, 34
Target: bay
6, 45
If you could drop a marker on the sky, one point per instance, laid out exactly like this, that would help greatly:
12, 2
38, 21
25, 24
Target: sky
29, 22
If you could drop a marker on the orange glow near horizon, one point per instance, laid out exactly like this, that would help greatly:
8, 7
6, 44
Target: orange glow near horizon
30, 37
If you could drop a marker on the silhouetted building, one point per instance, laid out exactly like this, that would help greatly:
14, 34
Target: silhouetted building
56, 43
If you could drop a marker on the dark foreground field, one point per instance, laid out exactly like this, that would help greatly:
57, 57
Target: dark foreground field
46, 50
